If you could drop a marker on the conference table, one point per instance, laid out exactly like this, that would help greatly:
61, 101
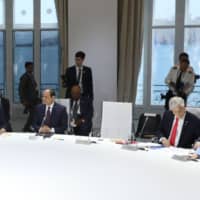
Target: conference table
66, 168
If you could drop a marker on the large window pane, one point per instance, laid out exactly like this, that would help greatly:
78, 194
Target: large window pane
48, 14
164, 12
23, 51
162, 60
23, 14
192, 47
192, 14
50, 60
2, 63
2, 14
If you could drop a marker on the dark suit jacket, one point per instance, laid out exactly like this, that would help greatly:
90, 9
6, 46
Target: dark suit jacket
86, 112
71, 80
3, 122
27, 89
190, 131
58, 118
5, 104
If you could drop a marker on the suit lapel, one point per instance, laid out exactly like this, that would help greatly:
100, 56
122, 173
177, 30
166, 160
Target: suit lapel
53, 112
184, 128
74, 73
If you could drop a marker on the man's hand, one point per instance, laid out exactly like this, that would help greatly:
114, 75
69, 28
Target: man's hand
165, 142
44, 129
172, 84
196, 145
79, 122
2, 130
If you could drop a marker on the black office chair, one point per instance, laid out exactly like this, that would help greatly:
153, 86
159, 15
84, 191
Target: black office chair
148, 125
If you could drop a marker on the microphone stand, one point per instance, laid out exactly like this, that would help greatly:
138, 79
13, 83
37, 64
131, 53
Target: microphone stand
144, 125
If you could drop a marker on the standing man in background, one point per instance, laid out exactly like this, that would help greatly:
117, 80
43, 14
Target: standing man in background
28, 94
79, 75
180, 80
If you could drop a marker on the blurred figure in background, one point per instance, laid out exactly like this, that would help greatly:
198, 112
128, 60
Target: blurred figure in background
5, 106
180, 80
28, 94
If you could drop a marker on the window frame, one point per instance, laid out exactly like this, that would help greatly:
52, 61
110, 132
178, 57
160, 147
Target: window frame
178, 47
9, 44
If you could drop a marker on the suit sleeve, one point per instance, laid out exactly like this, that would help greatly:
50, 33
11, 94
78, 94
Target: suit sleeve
63, 123
89, 112
67, 78
22, 89
90, 84
161, 132
36, 123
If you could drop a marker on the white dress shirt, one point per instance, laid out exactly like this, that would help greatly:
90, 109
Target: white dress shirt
179, 129
72, 108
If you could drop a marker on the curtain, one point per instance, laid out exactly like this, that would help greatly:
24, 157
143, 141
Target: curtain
130, 42
62, 14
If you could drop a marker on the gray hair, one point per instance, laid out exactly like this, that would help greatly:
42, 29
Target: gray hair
175, 102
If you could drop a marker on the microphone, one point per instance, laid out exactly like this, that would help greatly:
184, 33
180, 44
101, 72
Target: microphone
144, 125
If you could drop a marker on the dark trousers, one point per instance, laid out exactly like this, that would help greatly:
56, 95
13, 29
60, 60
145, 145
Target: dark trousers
30, 111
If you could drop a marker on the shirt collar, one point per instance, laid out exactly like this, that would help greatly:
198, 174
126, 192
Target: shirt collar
51, 106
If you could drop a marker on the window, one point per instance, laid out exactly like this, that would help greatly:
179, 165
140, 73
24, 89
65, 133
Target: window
23, 14
35, 37
49, 59
49, 46
2, 62
2, 14
48, 14
171, 27
163, 32
191, 44
23, 51
2, 47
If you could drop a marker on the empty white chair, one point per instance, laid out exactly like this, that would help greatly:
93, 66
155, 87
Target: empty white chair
66, 103
116, 120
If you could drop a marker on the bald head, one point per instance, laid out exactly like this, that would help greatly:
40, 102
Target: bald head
76, 92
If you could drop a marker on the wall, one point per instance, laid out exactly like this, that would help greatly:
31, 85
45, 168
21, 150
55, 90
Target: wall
93, 29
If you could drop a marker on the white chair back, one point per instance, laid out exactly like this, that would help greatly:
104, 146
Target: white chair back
116, 120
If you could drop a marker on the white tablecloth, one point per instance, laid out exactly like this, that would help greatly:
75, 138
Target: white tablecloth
59, 169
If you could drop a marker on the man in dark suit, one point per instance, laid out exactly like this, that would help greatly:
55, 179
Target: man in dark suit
50, 117
81, 113
28, 94
4, 124
79, 75
5, 105
178, 127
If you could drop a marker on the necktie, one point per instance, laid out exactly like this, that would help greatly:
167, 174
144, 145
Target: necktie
174, 132
75, 110
79, 75
48, 118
